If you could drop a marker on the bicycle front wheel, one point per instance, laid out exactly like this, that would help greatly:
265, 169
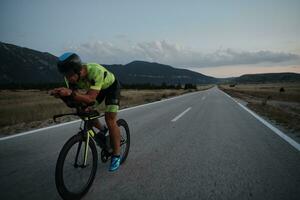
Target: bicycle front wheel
125, 139
73, 175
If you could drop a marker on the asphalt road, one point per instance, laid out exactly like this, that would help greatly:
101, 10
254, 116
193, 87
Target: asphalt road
214, 150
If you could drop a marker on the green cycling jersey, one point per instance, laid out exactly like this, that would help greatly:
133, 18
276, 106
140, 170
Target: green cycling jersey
98, 78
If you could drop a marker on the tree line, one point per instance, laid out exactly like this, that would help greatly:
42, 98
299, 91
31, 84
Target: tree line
48, 86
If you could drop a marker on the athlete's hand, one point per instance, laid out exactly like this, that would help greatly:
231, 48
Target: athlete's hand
65, 92
60, 92
55, 92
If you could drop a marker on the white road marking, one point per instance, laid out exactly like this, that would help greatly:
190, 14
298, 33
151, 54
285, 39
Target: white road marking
62, 124
37, 130
274, 129
180, 115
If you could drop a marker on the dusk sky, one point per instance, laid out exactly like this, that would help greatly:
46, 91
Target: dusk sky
217, 38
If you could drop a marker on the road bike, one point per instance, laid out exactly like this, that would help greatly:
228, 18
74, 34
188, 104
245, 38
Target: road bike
76, 165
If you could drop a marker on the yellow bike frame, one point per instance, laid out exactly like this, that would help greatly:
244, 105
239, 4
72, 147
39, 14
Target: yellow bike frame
91, 133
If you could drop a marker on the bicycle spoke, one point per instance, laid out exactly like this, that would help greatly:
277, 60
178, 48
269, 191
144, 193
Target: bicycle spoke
76, 175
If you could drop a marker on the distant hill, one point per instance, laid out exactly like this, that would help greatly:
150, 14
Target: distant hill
21, 66
140, 72
268, 78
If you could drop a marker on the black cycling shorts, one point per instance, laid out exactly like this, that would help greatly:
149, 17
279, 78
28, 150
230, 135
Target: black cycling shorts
111, 94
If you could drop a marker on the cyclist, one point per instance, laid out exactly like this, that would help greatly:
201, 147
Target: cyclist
99, 84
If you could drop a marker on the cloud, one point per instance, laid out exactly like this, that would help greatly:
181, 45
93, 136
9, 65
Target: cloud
233, 57
176, 55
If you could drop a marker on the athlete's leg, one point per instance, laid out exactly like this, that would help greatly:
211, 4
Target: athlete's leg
112, 102
96, 122
114, 131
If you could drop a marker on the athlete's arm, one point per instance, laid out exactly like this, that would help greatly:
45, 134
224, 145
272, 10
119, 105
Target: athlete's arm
88, 98
58, 92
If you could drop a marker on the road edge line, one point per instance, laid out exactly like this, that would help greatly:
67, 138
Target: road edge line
281, 134
37, 130
78, 120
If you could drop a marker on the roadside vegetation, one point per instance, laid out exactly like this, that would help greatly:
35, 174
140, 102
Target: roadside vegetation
278, 102
22, 110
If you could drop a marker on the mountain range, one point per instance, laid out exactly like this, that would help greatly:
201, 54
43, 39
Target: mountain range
268, 78
140, 72
21, 66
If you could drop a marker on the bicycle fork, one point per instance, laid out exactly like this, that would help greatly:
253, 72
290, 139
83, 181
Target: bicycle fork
90, 133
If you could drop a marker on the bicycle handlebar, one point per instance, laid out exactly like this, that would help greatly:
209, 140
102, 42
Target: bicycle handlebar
80, 109
81, 114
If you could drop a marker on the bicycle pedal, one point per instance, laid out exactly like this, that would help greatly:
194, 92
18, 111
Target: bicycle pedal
104, 156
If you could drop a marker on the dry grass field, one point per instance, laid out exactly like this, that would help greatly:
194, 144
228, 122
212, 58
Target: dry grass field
22, 110
279, 102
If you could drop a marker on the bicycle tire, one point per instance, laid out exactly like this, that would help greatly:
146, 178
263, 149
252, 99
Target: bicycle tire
59, 180
123, 123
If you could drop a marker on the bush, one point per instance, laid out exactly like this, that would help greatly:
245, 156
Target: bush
189, 86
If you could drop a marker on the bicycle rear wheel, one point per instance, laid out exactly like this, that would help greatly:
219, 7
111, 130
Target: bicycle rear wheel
72, 177
125, 139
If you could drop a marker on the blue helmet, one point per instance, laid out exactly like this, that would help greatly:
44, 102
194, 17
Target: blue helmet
69, 62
